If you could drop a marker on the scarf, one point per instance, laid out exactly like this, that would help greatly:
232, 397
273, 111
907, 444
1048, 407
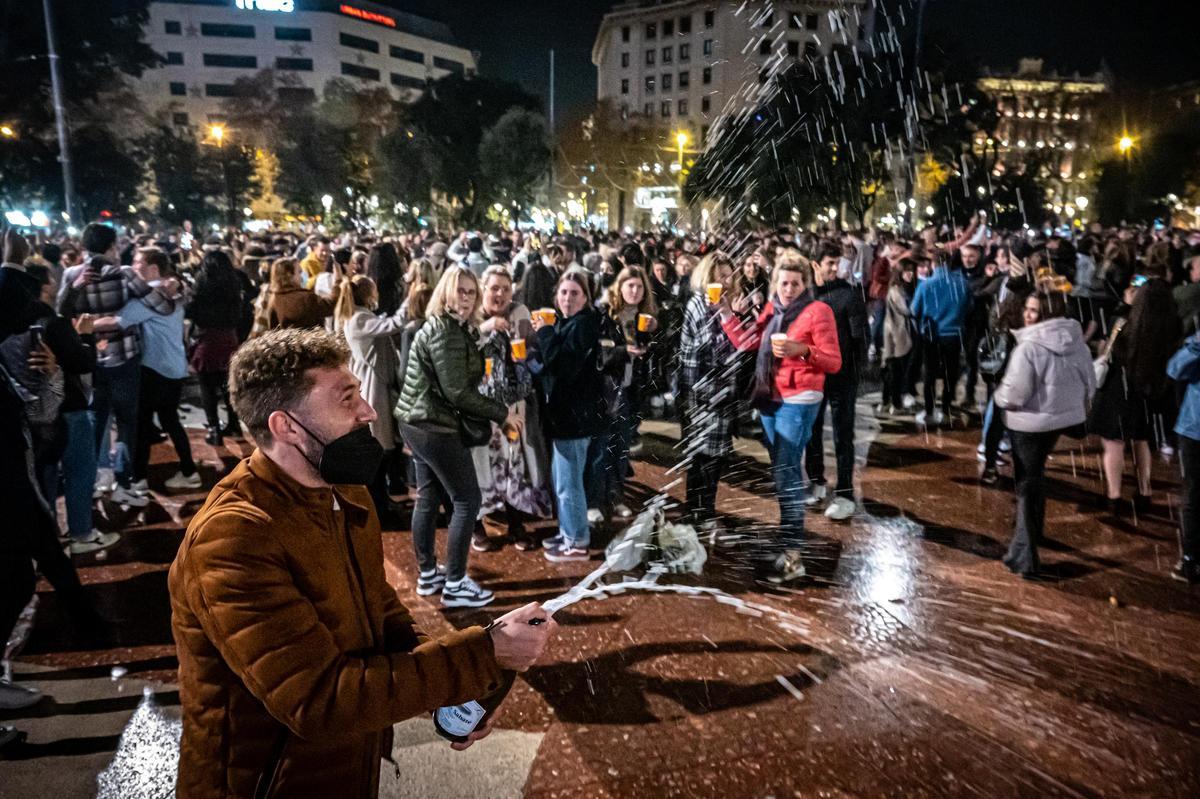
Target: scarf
764, 396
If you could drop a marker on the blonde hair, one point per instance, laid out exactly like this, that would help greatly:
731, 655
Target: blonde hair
357, 292
283, 275
792, 261
496, 270
418, 301
445, 294
420, 272
702, 274
616, 302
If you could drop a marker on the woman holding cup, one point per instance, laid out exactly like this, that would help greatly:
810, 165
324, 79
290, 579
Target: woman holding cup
708, 367
514, 467
630, 321
796, 345
571, 382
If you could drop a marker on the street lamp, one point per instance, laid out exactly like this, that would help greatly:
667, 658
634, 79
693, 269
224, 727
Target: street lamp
7, 132
681, 139
1125, 144
218, 134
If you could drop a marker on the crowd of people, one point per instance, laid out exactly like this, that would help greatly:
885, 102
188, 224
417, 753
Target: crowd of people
509, 373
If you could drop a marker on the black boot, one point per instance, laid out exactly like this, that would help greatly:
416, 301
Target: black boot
214, 436
1142, 504
233, 427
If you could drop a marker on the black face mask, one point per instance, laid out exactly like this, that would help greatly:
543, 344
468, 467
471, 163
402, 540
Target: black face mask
352, 459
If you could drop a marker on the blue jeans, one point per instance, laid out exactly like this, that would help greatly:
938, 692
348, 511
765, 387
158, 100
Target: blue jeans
116, 396
567, 465
788, 430
79, 472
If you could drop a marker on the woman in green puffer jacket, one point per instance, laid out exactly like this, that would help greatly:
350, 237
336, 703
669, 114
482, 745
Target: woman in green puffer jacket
441, 389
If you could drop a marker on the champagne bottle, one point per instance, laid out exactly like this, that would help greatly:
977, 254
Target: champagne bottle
456, 722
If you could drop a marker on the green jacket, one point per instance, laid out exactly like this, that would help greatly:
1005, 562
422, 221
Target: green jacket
442, 378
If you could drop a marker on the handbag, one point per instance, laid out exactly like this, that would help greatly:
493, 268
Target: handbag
1103, 362
993, 354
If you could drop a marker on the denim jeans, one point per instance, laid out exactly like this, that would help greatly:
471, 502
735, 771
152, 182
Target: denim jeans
993, 430
608, 461
1030, 451
443, 464
79, 472
840, 397
567, 466
788, 430
116, 396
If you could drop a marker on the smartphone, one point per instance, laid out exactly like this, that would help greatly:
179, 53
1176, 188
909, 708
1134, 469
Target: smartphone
1139, 281
35, 337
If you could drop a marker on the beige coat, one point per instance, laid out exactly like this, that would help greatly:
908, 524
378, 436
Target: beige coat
376, 364
897, 334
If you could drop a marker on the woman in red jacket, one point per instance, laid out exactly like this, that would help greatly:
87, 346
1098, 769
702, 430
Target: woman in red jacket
796, 339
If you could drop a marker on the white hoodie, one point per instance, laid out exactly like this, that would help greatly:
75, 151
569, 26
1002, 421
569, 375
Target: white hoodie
1050, 380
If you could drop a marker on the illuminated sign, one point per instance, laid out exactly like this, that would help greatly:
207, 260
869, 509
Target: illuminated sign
282, 6
656, 198
366, 16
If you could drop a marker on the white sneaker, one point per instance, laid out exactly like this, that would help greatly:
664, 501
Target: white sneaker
622, 510
104, 482
787, 567
938, 418
909, 402
140, 487
816, 493
466, 594
1167, 451
97, 542
15, 697
920, 418
1005, 444
125, 496
181, 480
594, 516
840, 508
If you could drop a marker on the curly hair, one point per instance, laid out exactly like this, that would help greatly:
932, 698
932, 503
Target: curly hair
272, 373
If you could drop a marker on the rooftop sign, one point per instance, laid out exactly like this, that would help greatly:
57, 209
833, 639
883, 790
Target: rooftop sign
282, 6
366, 16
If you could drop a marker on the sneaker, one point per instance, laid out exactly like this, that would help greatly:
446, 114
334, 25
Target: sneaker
909, 402
1167, 451
595, 516
181, 480
622, 511
787, 567
938, 418
10, 735
104, 482
140, 487
1186, 571
125, 496
989, 476
482, 542
15, 697
982, 458
466, 593
553, 541
920, 418
94, 543
431, 582
816, 493
1005, 444
565, 552
840, 508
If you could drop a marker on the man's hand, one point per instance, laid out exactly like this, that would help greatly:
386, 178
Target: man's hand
518, 644
85, 324
43, 360
494, 323
85, 276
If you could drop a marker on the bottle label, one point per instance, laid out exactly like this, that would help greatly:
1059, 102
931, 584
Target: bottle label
460, 720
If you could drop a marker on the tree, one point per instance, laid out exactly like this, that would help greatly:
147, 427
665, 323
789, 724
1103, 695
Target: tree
182, 177
453, 114
513, 157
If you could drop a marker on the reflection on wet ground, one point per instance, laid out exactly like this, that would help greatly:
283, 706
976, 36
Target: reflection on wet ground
910, 664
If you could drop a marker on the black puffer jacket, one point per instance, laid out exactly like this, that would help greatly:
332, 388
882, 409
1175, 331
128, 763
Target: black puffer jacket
570, 378
850, 313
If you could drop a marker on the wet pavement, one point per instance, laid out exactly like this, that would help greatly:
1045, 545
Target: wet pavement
910, 664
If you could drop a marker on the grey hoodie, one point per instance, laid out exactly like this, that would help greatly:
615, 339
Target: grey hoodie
1050, 380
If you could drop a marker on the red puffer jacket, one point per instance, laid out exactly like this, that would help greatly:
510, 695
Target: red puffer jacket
815, 326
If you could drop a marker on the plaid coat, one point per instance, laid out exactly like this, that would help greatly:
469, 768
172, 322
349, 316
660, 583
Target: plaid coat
708, 379
106, 296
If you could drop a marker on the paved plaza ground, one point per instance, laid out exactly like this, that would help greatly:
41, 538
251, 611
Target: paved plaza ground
911, 664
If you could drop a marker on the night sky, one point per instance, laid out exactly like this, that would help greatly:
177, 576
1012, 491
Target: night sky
1144, 42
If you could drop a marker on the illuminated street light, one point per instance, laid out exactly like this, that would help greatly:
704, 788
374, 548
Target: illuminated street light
1081, 202
7, 132
327, 202
1125, 144
217, 132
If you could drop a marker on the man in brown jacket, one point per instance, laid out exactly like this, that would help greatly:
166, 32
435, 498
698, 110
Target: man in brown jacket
295, 656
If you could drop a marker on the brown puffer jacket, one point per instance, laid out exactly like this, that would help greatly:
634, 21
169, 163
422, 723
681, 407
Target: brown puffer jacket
295, 656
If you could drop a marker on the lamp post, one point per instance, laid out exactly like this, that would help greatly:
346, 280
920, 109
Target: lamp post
217, 132
327, 203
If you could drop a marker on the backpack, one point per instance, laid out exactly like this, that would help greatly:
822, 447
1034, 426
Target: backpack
41, 393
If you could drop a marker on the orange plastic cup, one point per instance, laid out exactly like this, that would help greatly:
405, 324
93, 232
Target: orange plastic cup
644, 322
487, 367
517, 345
714, 292
547, 315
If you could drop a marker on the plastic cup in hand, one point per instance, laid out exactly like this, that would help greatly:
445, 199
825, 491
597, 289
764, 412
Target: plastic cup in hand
546, 315
517, 345
777, 342
714, 293
644, 320
487, 367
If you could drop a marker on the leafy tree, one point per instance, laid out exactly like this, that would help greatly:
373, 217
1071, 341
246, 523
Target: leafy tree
513, 156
